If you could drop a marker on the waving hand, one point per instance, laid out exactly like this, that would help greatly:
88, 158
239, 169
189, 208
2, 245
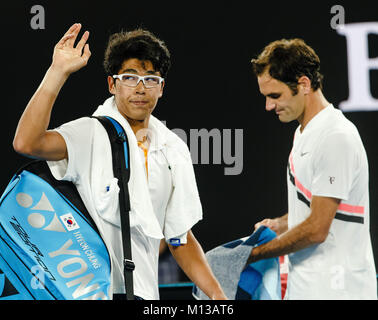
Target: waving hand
67, 57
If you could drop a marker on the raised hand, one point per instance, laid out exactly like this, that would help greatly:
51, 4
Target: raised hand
66, 57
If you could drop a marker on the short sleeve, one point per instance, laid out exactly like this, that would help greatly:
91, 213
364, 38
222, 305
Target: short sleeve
78, 135
334, 166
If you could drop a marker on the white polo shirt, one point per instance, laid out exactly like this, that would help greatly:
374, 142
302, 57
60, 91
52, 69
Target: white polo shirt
328, 159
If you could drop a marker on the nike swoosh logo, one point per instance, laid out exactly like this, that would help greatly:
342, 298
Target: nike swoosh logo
303, 153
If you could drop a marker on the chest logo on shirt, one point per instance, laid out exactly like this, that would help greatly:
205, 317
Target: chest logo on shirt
331, 180
303, 153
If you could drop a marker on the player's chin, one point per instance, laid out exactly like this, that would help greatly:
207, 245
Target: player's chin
140, 116
284, 119
139, 112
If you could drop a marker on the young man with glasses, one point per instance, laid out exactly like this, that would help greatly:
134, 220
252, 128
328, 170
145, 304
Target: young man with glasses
163, 192
326, 230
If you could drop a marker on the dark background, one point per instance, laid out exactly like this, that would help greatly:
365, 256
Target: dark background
210, 85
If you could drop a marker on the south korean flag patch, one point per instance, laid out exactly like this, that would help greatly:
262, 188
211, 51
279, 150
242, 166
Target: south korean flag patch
69, 222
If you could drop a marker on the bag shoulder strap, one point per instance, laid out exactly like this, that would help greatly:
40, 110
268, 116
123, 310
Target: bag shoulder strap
121, 170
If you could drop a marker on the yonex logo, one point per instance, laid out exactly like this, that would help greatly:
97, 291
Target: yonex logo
48, 220
74, 270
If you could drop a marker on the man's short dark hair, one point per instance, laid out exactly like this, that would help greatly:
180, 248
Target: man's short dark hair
287, 61
139, 44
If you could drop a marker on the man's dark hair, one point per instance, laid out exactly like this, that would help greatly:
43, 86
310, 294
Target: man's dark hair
139, 44
287, 61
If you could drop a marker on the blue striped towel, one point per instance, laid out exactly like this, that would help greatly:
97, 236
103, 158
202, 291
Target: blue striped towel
259, 281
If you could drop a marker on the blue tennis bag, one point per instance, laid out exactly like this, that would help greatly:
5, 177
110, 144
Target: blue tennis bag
50, 248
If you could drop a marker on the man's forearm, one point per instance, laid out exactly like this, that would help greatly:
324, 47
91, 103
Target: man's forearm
36, 117
192, 261
313, 230
297, 238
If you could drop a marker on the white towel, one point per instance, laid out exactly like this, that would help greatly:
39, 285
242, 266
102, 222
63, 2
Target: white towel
142, 212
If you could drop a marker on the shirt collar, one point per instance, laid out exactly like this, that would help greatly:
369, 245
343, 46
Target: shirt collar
318, 118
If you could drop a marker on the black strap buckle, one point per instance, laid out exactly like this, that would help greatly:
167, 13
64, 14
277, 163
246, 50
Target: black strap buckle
129, 264
120, 138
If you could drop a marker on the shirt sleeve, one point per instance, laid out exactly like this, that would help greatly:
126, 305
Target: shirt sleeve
184, 207
78, 136
334, 166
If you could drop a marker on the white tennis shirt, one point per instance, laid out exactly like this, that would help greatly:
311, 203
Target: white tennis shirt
175, 206
328, 159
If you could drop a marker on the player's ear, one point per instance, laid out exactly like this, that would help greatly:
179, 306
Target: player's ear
161, 89
111, 85
305, 83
